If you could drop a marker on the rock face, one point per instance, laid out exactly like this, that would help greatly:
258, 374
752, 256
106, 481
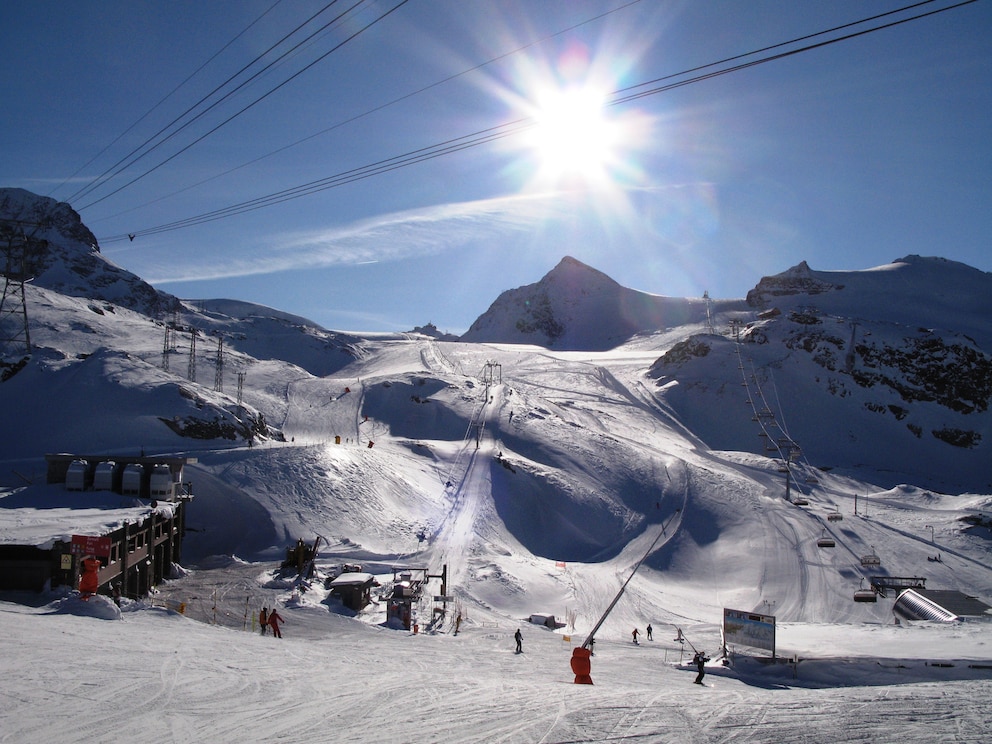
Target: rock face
797, 280
575, 307
63, 255
902, 351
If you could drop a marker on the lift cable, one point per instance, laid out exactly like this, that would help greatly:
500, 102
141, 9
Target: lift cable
383, 106
136, 154
166, 97
492, 134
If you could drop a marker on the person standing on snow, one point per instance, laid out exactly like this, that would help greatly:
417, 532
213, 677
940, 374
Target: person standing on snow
263, 619
274, 619
650, 637
700, 658
634, 634
520, 641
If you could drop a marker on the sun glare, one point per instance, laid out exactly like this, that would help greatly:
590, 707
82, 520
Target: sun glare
573, 138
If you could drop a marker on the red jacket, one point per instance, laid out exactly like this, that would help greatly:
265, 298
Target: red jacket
275, 618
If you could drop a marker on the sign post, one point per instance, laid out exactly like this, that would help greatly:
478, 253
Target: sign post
90, 545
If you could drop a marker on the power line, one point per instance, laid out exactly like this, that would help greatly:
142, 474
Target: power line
517, 126
134, 155
383, 106
166, 97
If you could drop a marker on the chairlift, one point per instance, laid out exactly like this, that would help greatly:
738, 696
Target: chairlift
826, 542
835, 517
801, 502
865, 595
871, 560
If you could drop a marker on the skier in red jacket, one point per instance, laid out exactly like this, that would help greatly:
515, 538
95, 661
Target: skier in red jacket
274, 619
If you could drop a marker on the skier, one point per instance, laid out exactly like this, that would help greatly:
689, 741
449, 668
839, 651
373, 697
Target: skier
700, 659
274, 619
634, 634
263, 619
520, 641
650, 637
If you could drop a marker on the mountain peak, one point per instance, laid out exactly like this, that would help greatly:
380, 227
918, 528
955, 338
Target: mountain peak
570, 271
67, 258
577, 307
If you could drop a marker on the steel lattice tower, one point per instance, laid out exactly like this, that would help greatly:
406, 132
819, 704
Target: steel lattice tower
15, 335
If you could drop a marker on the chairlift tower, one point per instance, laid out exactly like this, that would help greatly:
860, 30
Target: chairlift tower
735, 328
219, 371
241, 386
167, 346
492, 373
191, 366
15, 335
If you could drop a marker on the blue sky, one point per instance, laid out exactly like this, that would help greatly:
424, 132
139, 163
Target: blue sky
847, 156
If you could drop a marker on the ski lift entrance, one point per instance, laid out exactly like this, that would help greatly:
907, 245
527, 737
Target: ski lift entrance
826, 542
865, 595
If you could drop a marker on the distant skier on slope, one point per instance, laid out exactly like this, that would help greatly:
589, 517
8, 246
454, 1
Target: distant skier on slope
520, 641
650, 629
263, 619
634, 635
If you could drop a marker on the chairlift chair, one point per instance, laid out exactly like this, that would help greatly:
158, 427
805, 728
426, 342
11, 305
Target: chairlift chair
865, 595
826, 542
871, 560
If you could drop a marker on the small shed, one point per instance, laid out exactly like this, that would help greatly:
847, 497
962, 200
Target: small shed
354, 589
548, 621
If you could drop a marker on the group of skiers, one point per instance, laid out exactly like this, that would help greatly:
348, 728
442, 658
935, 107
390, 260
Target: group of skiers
270, 619
699, 659
636, 632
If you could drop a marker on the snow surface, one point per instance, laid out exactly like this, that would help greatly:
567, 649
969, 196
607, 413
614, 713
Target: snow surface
540, 479
730, 541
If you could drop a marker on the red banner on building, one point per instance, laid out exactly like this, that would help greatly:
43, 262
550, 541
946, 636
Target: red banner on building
91, 545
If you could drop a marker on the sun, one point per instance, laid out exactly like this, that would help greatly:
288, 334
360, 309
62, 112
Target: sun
573, 138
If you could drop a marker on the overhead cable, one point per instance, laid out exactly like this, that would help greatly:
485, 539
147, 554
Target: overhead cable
147, 146
166, 97
513, 128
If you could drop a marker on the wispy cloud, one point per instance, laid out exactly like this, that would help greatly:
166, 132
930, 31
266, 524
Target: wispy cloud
385, 238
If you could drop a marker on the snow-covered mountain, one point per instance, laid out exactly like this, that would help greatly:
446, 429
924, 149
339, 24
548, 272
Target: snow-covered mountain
64, 255
898, 360
576, 307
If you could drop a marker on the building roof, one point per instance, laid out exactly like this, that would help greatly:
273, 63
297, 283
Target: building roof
352, 579
41, 514
957, 602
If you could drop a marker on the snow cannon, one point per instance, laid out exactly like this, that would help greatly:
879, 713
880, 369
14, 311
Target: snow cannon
581, 665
